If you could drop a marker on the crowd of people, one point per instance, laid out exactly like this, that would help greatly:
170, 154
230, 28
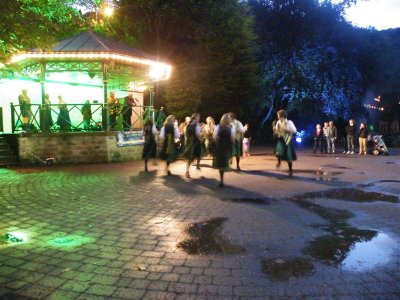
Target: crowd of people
226, 142
325, 138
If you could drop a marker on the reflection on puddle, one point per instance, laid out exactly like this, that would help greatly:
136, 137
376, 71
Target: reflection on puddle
370, 254
284, 269
206, 238
349, 194
344, 245
248, 200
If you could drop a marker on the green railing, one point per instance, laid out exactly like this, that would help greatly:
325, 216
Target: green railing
77, 117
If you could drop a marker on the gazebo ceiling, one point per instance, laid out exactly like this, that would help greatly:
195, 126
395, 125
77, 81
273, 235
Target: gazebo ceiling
92, 47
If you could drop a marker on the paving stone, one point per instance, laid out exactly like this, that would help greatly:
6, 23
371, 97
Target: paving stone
135, 227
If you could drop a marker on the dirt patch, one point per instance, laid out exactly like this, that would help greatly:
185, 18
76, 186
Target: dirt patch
284, 269
206, 238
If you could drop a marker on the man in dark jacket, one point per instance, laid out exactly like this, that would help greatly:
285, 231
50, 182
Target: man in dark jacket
350, 133
332, 136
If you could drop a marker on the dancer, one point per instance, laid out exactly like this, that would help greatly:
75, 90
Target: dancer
224, 136
284, 150
237, 150
209, 128
168, 134
193, 143
150, 145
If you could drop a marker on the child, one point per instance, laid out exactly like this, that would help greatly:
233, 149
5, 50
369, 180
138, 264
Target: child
246, 140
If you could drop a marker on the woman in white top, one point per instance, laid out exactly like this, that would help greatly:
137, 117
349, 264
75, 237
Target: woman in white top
284, 130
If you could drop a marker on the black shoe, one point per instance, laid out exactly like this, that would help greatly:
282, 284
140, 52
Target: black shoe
169, 173
221, 184
278, 164
238, 169
197, 167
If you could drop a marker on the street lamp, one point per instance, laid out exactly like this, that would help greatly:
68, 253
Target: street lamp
108, 11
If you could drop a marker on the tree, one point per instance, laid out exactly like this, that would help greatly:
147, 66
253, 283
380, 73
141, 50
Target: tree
27, 24
210, 44
309, 56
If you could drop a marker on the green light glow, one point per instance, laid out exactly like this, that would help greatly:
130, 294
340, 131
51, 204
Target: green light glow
15, 237
69, 241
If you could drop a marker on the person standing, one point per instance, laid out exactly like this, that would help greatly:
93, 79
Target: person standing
318, 137
350, 133
246, 140
193, 143
224, 136
362, 139
129, 103
63, 119
332, 136
168, 134
150, 145
114, 110
160, 118
237, 150
87, 115
25, 107
325, 130
284, 150
48, 123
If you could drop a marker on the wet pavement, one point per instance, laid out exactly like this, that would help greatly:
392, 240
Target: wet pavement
111, 231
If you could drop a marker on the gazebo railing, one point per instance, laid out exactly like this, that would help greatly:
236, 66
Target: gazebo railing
76, 117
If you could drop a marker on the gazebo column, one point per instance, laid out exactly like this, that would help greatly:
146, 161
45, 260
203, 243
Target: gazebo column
44, 120
105, 95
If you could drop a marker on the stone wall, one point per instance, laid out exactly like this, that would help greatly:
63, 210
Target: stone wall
67, 148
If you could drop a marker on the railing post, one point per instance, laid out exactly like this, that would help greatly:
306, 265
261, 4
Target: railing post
12, 118
105, 117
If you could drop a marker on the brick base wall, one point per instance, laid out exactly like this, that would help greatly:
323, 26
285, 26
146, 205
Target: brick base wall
70, 148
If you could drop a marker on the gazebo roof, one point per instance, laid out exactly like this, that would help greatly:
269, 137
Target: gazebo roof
93, 42
90, 46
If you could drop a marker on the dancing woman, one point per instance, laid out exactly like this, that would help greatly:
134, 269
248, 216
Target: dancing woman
150, 145
193, 143
284, 130
168, 134
224, 136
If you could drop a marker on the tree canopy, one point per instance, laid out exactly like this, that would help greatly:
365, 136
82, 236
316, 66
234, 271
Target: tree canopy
246, 56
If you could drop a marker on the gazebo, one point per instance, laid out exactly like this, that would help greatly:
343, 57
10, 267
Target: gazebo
116, 63
84, 68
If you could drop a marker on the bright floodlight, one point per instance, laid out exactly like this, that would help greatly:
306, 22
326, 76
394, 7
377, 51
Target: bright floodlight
158, 72
108, 11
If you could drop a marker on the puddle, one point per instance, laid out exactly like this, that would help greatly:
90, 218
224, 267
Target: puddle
321, 174
344, 245
333, 249
284, 269
371, 254
260, 201
206, 238
333, 166
349, 194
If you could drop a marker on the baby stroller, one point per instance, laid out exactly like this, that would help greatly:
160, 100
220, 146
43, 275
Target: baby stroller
376, 145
